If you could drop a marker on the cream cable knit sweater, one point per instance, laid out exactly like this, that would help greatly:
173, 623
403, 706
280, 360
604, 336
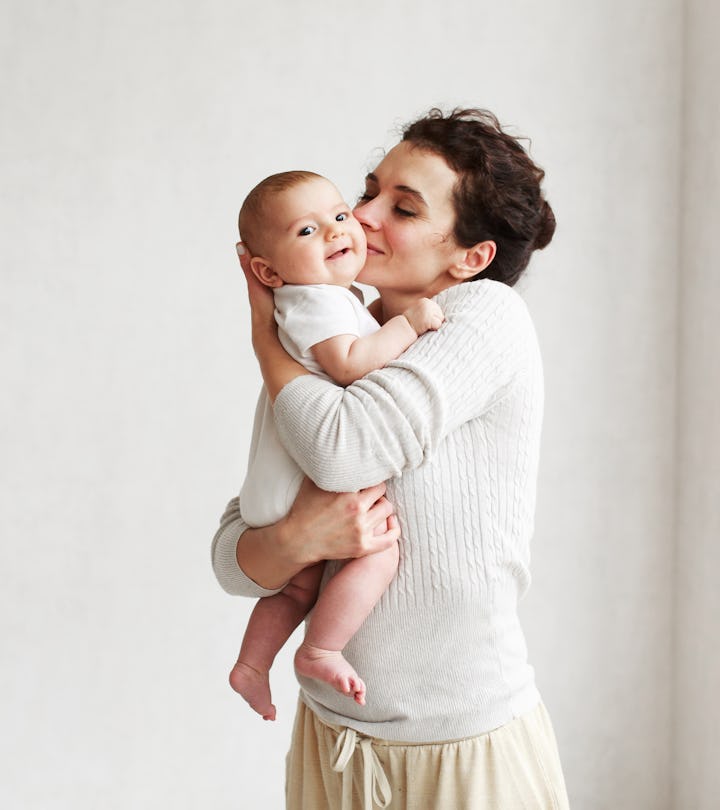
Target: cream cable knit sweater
454, 427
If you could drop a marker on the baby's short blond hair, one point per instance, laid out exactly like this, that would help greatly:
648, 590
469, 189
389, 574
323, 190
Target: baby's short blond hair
254, 210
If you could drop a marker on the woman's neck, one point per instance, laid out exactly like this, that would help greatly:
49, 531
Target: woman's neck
394, 303
385, 309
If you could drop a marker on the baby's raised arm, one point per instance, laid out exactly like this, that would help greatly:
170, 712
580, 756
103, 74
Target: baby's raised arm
347, 358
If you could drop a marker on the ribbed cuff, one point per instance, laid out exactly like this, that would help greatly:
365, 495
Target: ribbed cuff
225, 565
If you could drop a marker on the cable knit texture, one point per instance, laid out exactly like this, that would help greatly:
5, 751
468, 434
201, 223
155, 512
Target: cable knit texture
453, 425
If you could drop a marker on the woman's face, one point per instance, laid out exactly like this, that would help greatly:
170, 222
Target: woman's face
408, 217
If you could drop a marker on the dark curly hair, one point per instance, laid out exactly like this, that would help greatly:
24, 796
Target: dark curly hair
498, 196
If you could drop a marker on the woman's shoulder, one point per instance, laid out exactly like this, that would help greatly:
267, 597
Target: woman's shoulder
482, 299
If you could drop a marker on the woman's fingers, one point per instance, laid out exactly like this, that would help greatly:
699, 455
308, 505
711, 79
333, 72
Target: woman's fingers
379, 514
381, 518
367, 497
331, 525
262, 304
245, 259
244, 256
386, 533
392, 535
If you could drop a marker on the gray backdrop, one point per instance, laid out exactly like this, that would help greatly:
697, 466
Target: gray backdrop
130, 133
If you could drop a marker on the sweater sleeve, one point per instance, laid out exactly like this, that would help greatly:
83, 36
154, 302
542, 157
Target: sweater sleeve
224, 559
392, 419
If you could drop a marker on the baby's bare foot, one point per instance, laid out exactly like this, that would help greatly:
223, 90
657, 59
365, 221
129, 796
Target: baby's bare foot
330, 667
254, 686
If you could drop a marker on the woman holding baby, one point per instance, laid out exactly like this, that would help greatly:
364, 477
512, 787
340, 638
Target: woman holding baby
440, 449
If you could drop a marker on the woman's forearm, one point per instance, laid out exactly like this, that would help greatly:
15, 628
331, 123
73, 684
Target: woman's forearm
257, 562
276, 365
320, 525
230, 575
393, 419
265, 556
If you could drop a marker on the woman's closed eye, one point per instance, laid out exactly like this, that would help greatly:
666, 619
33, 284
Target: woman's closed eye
399, 210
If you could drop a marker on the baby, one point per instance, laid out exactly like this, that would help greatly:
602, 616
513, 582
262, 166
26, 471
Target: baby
308, 247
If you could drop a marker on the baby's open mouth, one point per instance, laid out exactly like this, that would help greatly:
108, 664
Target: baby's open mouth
339, 253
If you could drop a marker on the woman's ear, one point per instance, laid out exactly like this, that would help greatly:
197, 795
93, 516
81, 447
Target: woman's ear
474, 260
264, 273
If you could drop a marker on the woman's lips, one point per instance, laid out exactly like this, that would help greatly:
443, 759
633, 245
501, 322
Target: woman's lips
373, 251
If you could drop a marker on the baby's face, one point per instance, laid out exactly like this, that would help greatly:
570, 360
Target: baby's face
314, 237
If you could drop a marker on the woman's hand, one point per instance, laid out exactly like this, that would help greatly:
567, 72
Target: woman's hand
336, 526
320, 526
276, 365
262, 307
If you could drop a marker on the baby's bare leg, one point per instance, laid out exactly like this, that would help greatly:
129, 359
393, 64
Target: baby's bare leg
341, 608
271, 624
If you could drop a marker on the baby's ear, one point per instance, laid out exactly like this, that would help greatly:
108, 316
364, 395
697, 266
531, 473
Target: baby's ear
264, 273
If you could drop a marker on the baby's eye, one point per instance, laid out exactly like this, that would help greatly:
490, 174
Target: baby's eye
306, 231
342, 217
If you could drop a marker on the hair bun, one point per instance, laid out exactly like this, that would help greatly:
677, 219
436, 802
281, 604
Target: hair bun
546, 226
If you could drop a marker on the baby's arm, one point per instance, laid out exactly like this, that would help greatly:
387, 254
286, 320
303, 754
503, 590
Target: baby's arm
346, 358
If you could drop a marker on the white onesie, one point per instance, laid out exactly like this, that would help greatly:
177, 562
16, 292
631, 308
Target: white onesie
306, 314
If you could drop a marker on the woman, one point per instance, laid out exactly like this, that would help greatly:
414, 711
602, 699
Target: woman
453, 718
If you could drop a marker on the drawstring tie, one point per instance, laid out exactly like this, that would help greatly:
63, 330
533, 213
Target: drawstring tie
376, 787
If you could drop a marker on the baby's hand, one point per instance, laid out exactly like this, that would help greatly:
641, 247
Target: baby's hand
424, 315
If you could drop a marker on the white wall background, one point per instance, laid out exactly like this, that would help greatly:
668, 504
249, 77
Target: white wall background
697, 643
129, 134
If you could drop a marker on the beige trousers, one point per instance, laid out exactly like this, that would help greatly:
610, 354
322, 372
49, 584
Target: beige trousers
515, 767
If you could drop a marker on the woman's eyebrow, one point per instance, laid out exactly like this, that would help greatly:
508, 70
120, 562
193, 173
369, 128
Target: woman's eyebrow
413, 192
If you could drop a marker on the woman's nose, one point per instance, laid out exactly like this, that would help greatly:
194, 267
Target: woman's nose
367, 214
